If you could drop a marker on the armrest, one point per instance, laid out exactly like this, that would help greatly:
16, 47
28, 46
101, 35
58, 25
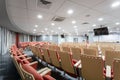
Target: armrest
108, 71
34, 64
42, 70
29, 59
77, 63
46, 72
23, 55
48, 77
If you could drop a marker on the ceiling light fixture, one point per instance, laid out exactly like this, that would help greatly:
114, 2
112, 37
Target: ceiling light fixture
100, 19
70, 11
46, 29
52, 24
59, 28
115, 4
52, 31
34, 30
75, 26
94, 25
36, 26
73, 22
39, 16
42, 31
117, 23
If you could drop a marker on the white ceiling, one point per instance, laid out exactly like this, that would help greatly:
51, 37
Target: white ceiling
24, 14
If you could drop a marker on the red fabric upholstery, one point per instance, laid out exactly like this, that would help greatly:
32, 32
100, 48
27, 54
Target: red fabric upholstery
31, 70
19, 60
34, 65
48, 77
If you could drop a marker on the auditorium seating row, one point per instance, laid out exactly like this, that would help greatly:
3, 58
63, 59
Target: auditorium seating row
85, 60
27, 68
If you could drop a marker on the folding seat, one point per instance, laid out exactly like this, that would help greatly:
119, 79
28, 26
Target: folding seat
92, 68
92, 52
31, 74
116, 69
39, 52
67, 64
76, 52
105, 48
110, 55
67, 49
54, 47
46, 55
55, 59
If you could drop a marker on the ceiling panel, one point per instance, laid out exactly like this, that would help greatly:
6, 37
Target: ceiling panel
32, 4
17, 3
18, 12
69, 5
88, 3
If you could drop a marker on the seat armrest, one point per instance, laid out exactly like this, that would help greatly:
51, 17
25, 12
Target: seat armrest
108, 71
42, 70
77, 63
29, 59
23, 55
46, 72
34, 64
48, 77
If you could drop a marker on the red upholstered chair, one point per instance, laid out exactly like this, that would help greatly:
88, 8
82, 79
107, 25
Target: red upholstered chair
31, 74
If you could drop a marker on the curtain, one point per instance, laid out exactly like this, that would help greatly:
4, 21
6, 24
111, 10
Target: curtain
7, 38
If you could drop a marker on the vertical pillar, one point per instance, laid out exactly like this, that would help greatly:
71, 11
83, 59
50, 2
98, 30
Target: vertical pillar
17, 39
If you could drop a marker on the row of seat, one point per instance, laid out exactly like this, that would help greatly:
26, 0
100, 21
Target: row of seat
64, 60
27, 68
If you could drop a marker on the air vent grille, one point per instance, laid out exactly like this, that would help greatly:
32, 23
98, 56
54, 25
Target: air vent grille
85, 23
42, 4
58, 18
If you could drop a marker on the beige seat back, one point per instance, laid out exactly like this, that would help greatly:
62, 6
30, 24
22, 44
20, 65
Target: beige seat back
110, 55
92, 67
54, 58
39, 53
76, 52
92, 52
46, 55
67, 49
116, 69
27, 76
66, 62
103, 49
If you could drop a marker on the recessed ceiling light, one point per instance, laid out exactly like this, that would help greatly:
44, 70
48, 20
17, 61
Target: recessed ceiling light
46, 29
73, 22
63, 30
40, 16
52, 31
117, 23
34, 30
59, 28
36, 26
100, 19
52, 24
70, 11
75, 26
115, 4
94, 25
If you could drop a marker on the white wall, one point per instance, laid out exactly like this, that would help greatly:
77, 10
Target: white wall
107, 38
